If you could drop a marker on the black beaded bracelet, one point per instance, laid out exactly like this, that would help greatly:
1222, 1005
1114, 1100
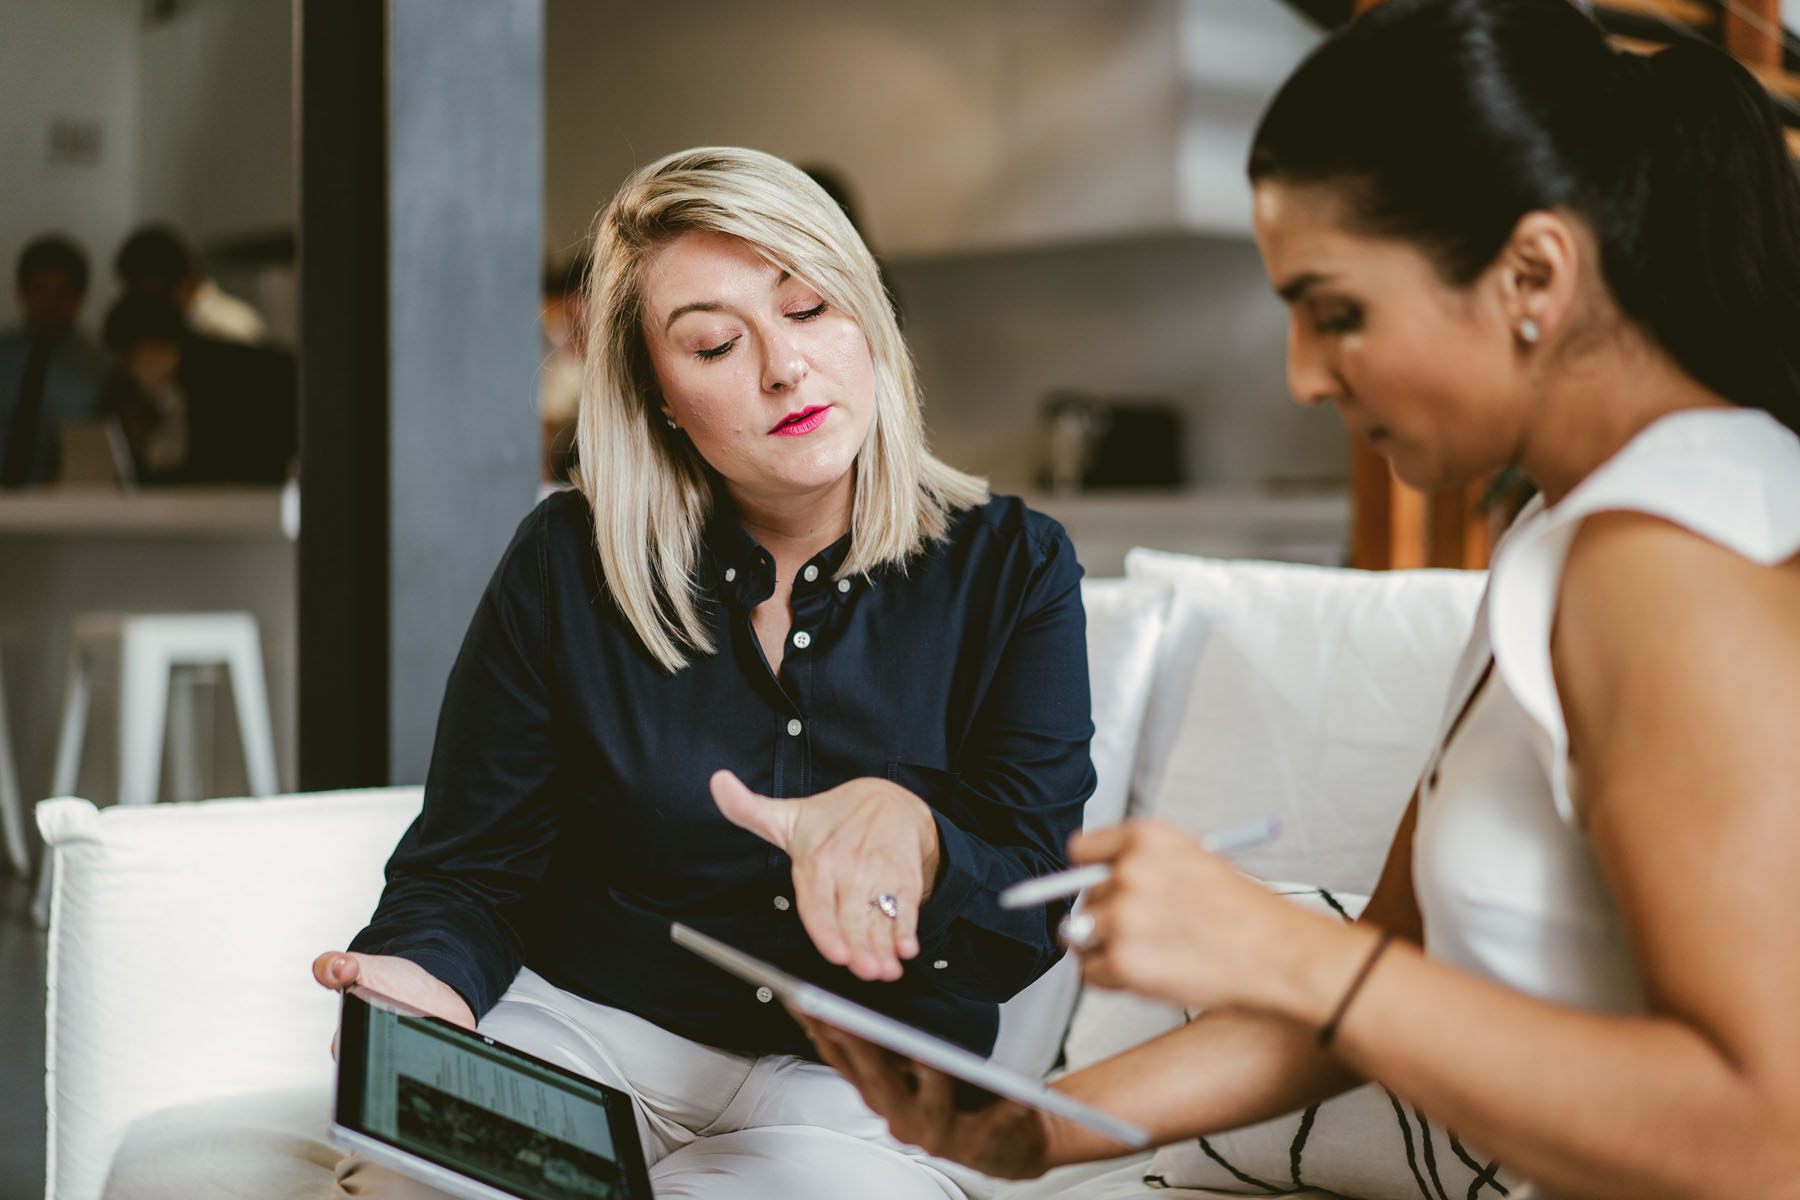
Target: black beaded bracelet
1328, 1031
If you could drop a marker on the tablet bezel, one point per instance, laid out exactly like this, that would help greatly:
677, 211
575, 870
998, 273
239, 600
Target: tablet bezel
349, 1127
904, 1039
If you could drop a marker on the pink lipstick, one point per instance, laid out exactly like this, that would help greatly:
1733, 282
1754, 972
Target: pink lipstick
799, 424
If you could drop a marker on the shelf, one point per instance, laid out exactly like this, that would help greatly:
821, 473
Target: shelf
1223, 523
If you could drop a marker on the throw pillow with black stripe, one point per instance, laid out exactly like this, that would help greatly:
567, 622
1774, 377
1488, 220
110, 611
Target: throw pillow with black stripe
1366, 1144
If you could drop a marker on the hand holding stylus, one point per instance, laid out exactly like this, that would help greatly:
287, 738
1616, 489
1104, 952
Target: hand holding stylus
1058, 884
1176, 921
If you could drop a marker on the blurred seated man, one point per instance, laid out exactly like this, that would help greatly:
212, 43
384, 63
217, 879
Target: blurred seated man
156, 259
197, 409
49, 372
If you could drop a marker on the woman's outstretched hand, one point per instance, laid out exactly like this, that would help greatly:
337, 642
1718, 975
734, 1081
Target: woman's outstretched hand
861, 840
1006, 1139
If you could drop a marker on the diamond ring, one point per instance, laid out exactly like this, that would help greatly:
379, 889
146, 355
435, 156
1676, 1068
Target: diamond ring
887, 904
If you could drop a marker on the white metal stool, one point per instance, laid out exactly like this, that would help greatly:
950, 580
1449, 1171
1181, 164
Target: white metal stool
12, 814
157, 650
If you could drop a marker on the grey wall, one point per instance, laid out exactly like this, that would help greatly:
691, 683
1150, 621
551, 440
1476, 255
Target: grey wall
1038, 173
1187, 318
465, 223
67, 61
421, 176
216, 118
965, 124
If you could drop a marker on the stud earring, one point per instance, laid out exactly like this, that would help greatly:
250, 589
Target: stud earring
1528, 331
671, 421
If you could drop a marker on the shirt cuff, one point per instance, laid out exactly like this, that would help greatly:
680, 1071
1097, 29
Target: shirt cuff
956, 883
443, 963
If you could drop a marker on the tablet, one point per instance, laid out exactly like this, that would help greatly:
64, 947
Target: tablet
903, 1039
476, 1118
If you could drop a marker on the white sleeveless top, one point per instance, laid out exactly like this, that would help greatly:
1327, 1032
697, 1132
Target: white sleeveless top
1505, 877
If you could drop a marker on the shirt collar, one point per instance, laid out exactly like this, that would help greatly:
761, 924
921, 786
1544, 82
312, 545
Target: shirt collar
744, 571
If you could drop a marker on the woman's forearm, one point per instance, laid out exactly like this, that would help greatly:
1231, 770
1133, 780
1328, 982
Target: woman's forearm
1587, 1104
1226, 1069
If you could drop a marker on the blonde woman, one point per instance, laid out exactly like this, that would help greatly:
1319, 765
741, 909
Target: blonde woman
773, 671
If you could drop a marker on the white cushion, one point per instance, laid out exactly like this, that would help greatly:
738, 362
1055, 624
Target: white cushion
1366, 1143
181, 939
1117, 1179
1108, 1023
1124, 622
1306, 693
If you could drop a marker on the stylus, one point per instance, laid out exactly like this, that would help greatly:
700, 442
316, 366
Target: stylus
1058, 884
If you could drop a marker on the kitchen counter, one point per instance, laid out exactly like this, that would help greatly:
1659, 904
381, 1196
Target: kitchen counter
153, 512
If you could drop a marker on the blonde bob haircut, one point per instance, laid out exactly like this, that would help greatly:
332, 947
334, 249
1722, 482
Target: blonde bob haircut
651, 492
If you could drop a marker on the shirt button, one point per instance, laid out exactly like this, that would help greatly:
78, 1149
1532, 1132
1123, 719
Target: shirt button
940, 964
843, 585
782, 904
811, 573
802, 640
730, 574
764, 995
794, 728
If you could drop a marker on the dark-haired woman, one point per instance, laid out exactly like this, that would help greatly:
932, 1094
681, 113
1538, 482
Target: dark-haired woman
1504, 244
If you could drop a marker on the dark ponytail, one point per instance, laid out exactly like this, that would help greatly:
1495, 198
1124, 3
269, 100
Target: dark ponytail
1442, 122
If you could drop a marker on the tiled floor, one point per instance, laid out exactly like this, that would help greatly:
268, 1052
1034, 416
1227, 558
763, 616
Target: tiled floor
22, 1026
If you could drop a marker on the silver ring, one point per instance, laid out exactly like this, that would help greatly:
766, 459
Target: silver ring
887, 904
1077, 930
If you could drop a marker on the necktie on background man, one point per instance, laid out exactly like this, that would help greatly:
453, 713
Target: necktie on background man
22, 431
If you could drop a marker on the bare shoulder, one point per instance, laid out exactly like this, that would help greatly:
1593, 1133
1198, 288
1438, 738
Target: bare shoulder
1647, 602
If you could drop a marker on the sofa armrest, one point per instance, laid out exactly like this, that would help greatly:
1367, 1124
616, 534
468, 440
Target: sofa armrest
181, 937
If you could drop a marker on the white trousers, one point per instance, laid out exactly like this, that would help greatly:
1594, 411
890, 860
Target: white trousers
712, 1124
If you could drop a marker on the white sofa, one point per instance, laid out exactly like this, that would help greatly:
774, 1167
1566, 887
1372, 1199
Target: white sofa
181, 935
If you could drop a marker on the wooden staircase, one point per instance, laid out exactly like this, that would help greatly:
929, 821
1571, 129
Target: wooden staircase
1394, 526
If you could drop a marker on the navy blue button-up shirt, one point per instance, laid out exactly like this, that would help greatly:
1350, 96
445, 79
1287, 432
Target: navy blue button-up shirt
567, 817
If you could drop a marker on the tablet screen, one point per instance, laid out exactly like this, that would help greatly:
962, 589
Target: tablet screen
483, 1110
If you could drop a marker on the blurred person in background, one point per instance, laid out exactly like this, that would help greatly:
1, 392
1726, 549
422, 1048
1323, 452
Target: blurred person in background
49, 372
197, 409
157, 259
562, 319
